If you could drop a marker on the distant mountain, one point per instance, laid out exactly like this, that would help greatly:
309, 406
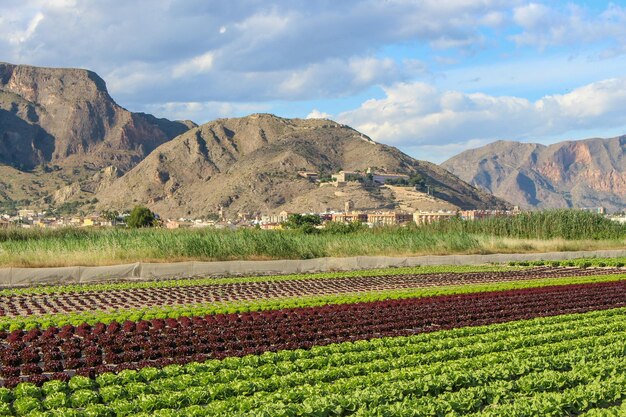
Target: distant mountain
251, 164
584, 173
66, 119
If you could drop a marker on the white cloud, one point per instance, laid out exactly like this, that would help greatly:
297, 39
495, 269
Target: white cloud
200, 64
440, 153
316, 114
60, 4
417, 114
238, 50
544, 26
339, 76
22, 36
202, 77
202, 112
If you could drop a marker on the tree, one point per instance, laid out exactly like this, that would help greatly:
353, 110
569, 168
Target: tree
211, 216
111, 215
141, 216
303, 222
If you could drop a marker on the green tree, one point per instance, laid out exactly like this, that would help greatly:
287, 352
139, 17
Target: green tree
141, 216
111, 215
304, 222
418, 181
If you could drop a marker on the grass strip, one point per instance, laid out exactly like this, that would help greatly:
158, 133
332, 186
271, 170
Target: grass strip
58, 320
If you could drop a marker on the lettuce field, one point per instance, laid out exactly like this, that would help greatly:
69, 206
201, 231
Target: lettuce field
431, 341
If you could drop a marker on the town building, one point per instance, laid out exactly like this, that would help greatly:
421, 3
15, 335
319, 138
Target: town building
427, 217
88, 221
388, 218
326, 216
275, 218
25, 213
176, 224
245, 216
483, 214
619, 218
599, 210
351, 217
271, 226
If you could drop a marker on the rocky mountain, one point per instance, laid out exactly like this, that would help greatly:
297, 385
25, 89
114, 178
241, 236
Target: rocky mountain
66, 119
64, 141
584, 173
251, 164
66, 116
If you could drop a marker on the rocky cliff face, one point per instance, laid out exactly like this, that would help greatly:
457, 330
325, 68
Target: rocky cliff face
251, 164
585, 173
61, 130
66, 117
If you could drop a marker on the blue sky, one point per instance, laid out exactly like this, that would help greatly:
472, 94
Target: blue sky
432, 77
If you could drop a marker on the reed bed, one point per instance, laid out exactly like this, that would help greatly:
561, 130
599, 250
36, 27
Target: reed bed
550, 231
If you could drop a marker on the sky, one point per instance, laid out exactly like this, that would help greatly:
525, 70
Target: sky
432, 77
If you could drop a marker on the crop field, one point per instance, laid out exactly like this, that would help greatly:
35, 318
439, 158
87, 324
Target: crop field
511, 340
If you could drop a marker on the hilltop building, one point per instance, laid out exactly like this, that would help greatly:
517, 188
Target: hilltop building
383, 177
309, 175
346, 176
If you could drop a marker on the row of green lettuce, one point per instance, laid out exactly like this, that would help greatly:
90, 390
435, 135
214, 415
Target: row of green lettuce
619, 262
162, 312
562, 365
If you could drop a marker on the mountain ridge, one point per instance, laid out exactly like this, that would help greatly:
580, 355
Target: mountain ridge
580, 173
251, 164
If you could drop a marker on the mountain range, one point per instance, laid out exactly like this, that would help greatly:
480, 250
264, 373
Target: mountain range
64, 140
583, 173
251, 164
